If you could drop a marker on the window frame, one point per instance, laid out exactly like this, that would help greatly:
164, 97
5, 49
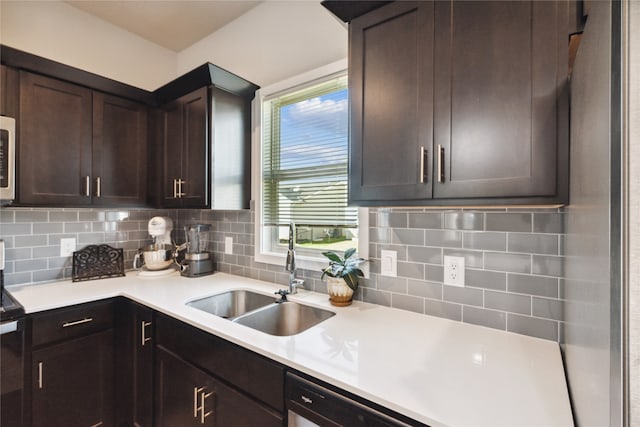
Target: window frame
303, 259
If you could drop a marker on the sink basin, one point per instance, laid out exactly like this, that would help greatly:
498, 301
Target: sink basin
232, 304
287, 318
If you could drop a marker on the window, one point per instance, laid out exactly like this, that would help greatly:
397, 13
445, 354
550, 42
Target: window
303, 168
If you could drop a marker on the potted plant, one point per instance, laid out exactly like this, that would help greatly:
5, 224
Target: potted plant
342, 276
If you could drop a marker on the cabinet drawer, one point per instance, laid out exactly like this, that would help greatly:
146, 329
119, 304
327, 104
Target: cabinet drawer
248, 371
72, 322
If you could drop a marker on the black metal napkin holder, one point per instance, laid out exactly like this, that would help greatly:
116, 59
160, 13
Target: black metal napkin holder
97, 262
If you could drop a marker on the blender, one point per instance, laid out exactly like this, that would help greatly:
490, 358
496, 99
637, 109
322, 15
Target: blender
157, 258
197, 261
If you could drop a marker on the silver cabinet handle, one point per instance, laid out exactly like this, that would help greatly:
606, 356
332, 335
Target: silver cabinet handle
305, 399
424, 158
87, 186
175, 188
77, 322
440, 163
143, 332
196, 408
180, 193
40, 375
203, 412
98, 187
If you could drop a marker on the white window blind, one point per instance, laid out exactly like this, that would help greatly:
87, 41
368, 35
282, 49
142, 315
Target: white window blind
305, 156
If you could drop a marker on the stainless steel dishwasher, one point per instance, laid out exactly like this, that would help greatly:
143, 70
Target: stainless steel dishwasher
310, 404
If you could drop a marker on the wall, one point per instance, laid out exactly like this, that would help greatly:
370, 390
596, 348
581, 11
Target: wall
271, 42
512, 257
634, 212
62, 33
586, 286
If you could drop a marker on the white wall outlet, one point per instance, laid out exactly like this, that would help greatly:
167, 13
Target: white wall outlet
454, 270
228, 245
389, 263
67, 246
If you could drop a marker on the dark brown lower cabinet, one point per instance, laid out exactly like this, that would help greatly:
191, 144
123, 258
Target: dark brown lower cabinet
187, 396
134, 364
72, 382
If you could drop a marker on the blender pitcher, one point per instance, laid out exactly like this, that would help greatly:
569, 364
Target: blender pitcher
197, 261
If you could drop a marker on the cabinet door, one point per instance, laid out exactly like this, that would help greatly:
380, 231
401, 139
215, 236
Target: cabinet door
195, 160
73, 383
187, 396
391, 85
54, 151
134, 364
499, 71
8, 91
119, 151
172, 153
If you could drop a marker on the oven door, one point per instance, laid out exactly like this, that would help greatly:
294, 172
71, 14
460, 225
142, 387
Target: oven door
11, 372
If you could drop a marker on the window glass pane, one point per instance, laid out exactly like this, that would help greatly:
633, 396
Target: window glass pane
305, 165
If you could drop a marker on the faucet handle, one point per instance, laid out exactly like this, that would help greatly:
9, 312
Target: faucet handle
283, 295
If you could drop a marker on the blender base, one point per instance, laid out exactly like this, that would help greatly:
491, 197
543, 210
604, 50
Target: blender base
196, 268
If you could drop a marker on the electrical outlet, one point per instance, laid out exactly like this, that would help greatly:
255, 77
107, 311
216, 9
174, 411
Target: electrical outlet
228, 245
389, 263
67, 246
454, 271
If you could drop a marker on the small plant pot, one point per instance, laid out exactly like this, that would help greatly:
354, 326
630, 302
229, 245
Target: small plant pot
340, 294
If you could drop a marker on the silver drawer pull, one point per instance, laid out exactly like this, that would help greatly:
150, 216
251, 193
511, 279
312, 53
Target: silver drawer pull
77, 322
305, 399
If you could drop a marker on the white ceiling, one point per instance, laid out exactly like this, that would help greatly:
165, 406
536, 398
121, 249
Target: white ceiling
174, 24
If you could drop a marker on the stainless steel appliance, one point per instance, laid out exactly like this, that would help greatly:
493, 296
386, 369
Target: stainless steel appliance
157, 258
197, 261
7, 158
312, 405
11, 354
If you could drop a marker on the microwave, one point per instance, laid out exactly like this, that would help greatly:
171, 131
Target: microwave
7, 158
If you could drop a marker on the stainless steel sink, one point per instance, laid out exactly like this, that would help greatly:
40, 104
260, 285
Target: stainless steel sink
287, 318
232, 304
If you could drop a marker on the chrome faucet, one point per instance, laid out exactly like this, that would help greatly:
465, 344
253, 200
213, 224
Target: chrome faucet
290, 265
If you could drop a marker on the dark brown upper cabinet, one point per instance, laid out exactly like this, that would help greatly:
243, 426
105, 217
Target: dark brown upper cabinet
77, 147
206, 150
185, 143
459, 103
119, 151
8, 91
54, 142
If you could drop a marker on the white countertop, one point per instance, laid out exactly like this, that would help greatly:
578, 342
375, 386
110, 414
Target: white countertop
437, 371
